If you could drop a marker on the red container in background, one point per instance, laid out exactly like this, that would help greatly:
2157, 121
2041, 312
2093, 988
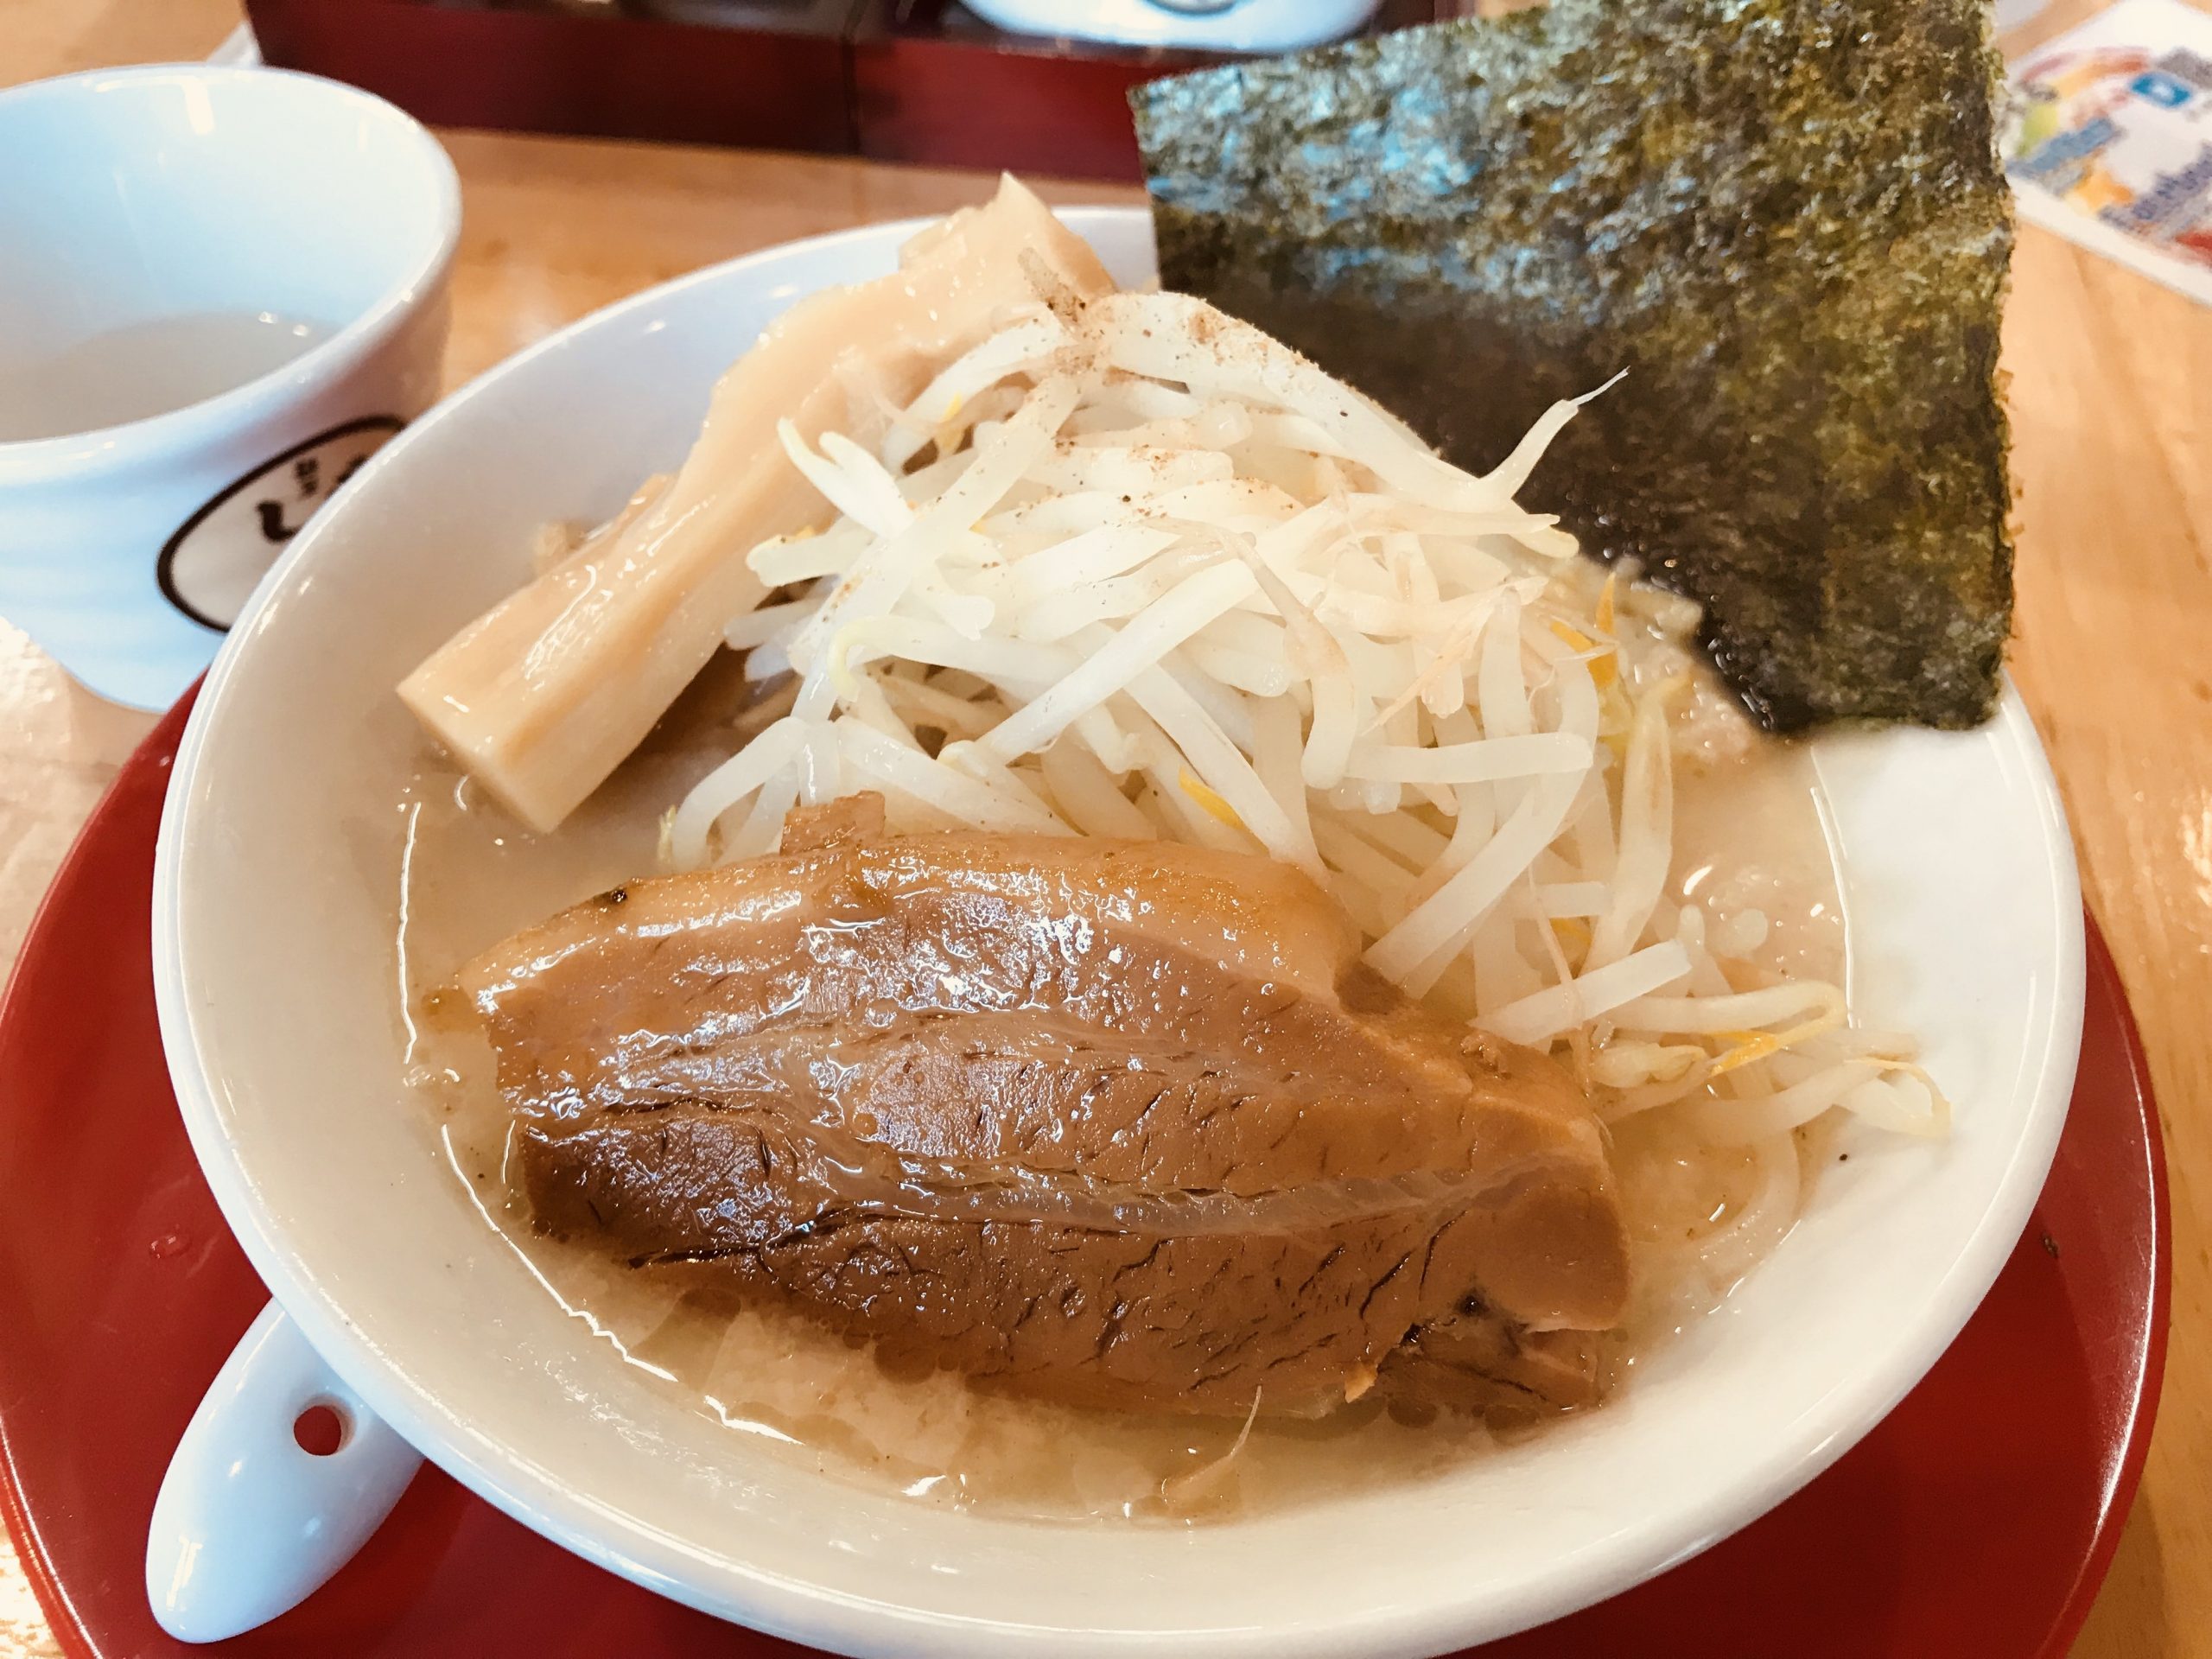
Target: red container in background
921, 82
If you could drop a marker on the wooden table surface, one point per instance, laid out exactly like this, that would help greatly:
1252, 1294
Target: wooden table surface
2112, 408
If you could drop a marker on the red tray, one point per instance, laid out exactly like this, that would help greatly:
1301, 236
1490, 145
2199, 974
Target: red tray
1978, 1519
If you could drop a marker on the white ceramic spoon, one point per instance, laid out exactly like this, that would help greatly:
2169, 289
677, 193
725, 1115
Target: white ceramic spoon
248, 1523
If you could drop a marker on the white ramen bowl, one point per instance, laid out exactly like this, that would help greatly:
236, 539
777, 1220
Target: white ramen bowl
275, 958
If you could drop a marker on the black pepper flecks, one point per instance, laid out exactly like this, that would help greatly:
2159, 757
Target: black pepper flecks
1785, 219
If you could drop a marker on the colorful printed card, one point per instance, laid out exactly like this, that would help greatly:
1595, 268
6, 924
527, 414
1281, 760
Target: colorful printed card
2109, 140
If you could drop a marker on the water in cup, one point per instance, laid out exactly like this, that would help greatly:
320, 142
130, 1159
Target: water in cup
146, 369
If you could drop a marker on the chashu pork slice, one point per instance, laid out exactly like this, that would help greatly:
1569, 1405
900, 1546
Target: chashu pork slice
1120, 1123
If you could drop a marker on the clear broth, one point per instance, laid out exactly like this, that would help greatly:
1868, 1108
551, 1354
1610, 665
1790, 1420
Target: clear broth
146, 369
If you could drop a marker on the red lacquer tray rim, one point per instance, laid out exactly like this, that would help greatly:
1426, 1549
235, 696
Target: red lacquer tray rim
2127, 1478
156, 750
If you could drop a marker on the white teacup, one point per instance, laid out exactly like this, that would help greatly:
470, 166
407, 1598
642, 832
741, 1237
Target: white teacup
221, 290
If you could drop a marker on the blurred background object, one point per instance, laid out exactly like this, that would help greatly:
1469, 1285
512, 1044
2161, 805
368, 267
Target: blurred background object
928, 81
1212, 25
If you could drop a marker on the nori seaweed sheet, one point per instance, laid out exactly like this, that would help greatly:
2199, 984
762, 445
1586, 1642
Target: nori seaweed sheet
1785, 219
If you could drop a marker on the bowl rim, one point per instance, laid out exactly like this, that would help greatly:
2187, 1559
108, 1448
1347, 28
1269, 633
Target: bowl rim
326, 362
807, 1611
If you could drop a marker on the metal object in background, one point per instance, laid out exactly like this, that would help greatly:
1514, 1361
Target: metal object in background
1206, 25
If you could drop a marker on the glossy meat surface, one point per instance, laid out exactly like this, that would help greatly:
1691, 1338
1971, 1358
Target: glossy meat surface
1124, 1123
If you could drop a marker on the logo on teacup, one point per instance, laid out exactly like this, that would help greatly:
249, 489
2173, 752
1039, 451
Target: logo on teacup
209, 566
